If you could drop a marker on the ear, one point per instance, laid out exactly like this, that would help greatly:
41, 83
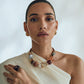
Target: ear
25, 27
56, 25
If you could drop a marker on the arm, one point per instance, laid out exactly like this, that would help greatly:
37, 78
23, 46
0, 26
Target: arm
78, 72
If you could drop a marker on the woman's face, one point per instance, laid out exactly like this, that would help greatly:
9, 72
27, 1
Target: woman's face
41, 19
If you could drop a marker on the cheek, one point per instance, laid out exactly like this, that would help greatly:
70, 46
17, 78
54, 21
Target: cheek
52, 29
52, 26
32, 29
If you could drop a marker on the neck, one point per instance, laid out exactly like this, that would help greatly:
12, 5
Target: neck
42, 50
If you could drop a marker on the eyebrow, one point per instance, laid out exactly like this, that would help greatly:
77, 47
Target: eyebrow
37, 14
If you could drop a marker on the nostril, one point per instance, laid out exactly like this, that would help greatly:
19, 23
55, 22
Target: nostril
43, 28
40, 28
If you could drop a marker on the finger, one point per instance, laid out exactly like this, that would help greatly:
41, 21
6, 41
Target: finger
10, 69
11, 65
13, 72
19, 68
15, 81
10, 78
9, 81
8, 75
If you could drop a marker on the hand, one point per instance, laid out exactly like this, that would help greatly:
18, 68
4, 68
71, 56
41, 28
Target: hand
16, 77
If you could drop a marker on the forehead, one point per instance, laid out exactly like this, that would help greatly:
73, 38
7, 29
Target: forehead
40, 8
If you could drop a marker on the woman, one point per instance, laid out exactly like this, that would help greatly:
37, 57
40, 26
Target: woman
42, 64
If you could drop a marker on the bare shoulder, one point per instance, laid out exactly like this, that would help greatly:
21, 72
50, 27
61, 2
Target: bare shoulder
70, 58
69, 62
73, 65
77, 67
75, 60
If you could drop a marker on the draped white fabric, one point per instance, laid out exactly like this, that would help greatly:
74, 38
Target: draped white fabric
69, 38
50, 74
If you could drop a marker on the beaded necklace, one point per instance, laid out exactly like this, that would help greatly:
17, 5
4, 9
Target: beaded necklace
42, 64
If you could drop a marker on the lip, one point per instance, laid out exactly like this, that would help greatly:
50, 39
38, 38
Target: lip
42, 34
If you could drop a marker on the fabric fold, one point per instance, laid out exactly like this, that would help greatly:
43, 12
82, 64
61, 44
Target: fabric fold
50, 74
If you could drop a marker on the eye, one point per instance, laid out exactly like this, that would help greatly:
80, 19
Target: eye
49, 19
33, 19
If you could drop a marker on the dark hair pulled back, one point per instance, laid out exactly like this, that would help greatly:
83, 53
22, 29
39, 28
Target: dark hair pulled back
37, 1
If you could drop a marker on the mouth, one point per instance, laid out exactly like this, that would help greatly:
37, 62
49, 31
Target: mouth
42, 34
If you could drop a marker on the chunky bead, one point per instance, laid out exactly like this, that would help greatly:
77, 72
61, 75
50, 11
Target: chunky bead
53, 53
32, 61
43, 65
51, 57
49, 61
35, 64
30, 56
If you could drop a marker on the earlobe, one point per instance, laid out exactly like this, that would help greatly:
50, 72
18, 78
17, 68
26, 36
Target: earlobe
56, 24
26, 29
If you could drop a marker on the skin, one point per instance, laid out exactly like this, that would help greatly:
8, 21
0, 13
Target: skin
42, 45
16, 77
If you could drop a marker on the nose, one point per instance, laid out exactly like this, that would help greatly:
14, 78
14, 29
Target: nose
43, 25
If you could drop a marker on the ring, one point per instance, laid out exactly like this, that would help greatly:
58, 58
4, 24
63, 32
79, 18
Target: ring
17, 67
